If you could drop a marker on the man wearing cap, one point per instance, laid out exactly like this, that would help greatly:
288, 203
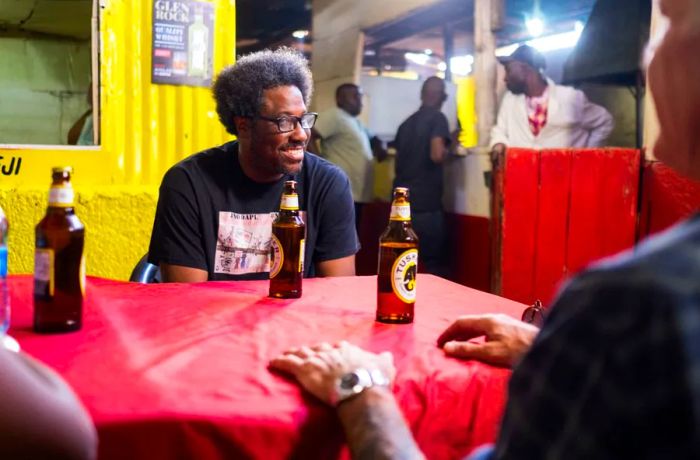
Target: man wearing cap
537, 113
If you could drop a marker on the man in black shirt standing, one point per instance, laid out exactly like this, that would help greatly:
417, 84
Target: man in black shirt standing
421, 145
215, 209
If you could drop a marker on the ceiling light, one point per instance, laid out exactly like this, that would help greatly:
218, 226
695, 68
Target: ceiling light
556, 41
547, 43
417, 58
535, 26
462, 65
300, 34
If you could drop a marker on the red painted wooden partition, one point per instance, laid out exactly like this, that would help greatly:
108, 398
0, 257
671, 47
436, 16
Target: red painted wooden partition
555, 211
667, 198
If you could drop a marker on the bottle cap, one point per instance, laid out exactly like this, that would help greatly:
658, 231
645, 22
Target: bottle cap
60, 169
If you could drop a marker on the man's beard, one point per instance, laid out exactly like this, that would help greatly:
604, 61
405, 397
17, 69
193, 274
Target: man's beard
264, 163
282, 168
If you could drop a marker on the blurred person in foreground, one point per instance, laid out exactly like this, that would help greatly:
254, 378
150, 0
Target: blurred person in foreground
215, 209
40, 417
537, 113
615, 371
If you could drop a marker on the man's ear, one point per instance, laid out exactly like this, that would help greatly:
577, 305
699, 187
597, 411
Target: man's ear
243, 126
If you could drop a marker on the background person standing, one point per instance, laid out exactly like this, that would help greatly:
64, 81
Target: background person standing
346, 142
537, 113
421, 147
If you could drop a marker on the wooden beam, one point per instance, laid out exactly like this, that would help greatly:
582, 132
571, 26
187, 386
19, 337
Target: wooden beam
651, 122
487, 17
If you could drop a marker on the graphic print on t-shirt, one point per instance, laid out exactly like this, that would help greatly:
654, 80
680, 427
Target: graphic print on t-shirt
243, 244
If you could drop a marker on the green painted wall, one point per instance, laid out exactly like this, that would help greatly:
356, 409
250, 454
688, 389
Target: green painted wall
43, 88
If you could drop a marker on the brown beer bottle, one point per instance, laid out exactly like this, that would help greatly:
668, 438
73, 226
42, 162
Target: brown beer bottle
398, 264
287, 247
59, 265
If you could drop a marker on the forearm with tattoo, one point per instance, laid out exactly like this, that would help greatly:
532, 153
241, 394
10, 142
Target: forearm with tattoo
375, 428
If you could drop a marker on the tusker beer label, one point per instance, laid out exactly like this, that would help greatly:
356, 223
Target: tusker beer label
277, 254
403, 275
400, 212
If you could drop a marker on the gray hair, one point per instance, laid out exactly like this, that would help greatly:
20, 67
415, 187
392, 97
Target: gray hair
239, 88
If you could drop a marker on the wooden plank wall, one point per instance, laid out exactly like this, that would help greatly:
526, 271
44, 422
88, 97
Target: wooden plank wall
560, 210
667, 197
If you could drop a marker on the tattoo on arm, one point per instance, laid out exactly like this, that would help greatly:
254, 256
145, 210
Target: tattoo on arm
375, 428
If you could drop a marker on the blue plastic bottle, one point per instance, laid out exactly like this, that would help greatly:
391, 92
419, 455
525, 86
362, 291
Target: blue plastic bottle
4, 291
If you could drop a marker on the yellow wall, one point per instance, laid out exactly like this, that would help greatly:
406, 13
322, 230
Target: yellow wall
466, 111
145, 129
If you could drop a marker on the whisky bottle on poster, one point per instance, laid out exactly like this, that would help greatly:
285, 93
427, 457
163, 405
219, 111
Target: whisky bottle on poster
59, 263
198, 47
397, 264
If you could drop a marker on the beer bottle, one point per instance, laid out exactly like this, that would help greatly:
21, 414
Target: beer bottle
59, 265
287, 248
398, 264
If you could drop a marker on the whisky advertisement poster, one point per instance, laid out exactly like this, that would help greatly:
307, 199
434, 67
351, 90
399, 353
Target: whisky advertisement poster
183, 42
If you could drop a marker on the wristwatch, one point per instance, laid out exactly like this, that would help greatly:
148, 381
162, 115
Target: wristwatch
355, 382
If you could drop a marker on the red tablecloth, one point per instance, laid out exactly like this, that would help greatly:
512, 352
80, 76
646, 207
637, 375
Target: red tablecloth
180, 371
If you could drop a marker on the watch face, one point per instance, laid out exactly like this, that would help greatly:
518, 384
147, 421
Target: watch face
348, 381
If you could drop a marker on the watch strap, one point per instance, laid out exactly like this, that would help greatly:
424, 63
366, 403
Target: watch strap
357, 381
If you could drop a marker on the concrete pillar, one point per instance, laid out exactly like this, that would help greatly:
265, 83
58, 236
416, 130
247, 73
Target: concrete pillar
338, 40
487, 18
335, 60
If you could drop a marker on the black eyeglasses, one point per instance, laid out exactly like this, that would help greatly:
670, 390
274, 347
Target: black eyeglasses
288, 123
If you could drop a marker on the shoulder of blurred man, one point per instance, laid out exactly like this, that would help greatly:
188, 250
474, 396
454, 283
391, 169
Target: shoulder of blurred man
625, 330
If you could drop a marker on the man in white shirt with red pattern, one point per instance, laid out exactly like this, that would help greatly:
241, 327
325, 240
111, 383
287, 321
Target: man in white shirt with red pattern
537, 113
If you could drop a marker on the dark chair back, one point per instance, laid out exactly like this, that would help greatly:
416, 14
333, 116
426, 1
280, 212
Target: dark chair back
145, 272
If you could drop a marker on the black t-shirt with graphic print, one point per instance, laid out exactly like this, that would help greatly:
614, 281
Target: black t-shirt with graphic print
211, 216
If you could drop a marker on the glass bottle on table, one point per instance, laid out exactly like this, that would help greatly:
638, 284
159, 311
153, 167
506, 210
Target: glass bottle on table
287, 246
59, 263
397, 264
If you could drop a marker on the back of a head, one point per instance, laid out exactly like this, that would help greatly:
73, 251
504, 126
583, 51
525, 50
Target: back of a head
433, 92
238, 88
